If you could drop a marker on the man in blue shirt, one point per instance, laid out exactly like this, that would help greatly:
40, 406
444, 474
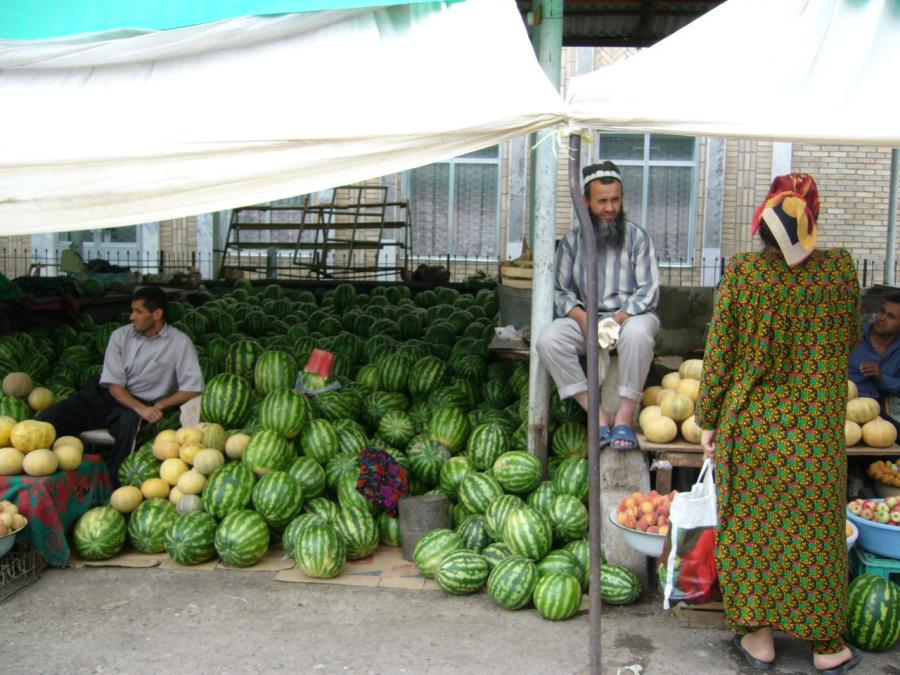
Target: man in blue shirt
875, 363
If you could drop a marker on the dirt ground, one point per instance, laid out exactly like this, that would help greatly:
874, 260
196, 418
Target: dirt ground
121, 620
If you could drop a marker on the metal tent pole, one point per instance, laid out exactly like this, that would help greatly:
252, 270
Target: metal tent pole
589, 246
892, 221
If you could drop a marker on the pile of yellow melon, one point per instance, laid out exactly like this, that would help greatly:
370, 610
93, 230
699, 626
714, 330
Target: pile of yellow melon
10, 519
668, 409
864, 423
32, 447
20, 385
188, 456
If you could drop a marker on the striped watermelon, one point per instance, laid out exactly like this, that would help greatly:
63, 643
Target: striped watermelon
369, 378
226, 400
100, 533
618, 585
397, 428
527, 532
241, 359
148, 524
321, 506
389, 529
497, 393
581, 548
570, 440
274, 370
295, 527
498, 512
138, 467
473, 532
426, 459
228, 489
542, 497
561, 561
266, 452
337, 466
351, 436
358, 530
395, 372
485, 444
557, 596
518, 472
349, 496
449, 427
320, 552
333, 405
512, 581
319, 440
453, 472
496, 553
873, 621
568, 518
571, 478
284, 411
278, 498
242, 538
458, 513
15, 407
433, 547
427, 374
462, 572
310, 476
378, 403
477, 491
189, 540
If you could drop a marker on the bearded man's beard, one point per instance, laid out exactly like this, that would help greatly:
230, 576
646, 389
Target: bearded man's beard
609, 234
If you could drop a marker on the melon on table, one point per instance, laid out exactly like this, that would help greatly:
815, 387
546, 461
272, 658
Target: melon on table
661, 429
852, 432
879, 433
17, 384
691, 368
862, 409
30, 435
690, 430
678, 407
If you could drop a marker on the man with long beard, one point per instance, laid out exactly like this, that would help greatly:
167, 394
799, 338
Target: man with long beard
628, 282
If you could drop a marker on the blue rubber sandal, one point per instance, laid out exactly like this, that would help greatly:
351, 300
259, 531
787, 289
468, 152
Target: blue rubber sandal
623, 432
605, 436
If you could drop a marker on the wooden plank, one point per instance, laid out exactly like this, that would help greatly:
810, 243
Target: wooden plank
694, 448
517, 283
709, 615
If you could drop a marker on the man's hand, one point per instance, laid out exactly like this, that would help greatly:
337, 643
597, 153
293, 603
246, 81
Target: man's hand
580, 317
870, 369
708, 443
621, 317
150, 413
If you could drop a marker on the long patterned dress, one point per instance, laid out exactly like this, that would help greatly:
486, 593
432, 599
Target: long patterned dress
775, 388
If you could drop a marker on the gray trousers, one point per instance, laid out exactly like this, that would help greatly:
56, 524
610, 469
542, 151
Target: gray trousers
562, 343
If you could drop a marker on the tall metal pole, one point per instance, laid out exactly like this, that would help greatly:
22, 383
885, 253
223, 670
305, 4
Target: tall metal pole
589, 246
543, 234
892, 220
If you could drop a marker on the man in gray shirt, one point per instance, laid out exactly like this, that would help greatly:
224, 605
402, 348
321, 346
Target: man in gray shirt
628, 283
148, 368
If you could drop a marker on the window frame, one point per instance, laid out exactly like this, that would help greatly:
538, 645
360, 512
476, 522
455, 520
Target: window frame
406, 184
646, 163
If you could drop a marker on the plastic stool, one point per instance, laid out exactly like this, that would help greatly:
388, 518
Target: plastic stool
863, 562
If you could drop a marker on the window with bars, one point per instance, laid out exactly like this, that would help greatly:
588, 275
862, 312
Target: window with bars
456, 205
659, 176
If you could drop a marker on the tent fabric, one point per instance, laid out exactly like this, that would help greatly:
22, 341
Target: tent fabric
802, 70
139, 126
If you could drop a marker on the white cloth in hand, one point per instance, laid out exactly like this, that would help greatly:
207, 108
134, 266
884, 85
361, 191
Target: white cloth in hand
607, 333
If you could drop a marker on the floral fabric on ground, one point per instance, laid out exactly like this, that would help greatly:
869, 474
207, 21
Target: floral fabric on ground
382, 480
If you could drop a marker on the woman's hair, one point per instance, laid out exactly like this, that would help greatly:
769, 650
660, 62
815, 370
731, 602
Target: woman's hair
766, 235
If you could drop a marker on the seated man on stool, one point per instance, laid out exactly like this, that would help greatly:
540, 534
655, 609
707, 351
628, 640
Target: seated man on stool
628, 283
875, 363
149, 367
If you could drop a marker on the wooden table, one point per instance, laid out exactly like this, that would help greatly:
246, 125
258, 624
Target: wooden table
683, 454
506, 348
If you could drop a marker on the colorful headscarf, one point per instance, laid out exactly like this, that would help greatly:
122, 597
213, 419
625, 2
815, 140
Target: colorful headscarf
790, 211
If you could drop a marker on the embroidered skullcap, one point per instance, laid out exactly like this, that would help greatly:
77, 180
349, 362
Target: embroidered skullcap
603, 170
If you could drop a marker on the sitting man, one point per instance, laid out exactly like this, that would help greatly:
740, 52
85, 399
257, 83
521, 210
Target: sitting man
628, 282
875, 363
149, 366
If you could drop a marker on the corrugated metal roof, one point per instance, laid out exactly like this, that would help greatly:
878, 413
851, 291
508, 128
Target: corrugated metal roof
623, 23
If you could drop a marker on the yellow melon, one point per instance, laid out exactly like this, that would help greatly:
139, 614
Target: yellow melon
175, 495
11, 461
677, 407
860, 410
40, 462
191, 482
208, 460
670, 380
187, 435
214, 436
171, 469
651, 412
878, 433
692, 368
40, 398
189, 451
169, 435
164, 450
155, 487
31, 435
69, 440
649, 395
17, 384
661, 429
852, 432
234, 446
690, 430
126, 499
852, 391
663, 395
6, 425
68, 455
689, 387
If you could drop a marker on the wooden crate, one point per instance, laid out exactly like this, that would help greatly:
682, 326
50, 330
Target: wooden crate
515, 276
709, 615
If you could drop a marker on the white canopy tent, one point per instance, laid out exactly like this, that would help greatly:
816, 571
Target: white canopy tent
133, 126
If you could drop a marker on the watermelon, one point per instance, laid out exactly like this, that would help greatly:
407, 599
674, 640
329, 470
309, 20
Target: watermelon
266, 452
485, 444
319, 440
498, 511
395, 372
426, 459
453, 472
557, 596
189, 540
295, 527
512, 581
618, 585
284, 411
527, 532
278, 498
320, 552
339, 465
333, 405
570, 440
581, 548
369, 378
323, 507
242, 538
473, 532
561, 561
228, 489
15, 407
449, 427
477, 491
462, 572
148, 524
542, 497
226, 400
568, 518
427, 374
349, 495
433, 547
873, 621
138, 467
496, 553
397, 428
379, 403
389, 529
351, 436
571, 478
518, 472
100, 533
497, 392
358, 530
310, 476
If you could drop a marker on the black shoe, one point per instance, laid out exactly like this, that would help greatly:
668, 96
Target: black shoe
852, 662
752, 661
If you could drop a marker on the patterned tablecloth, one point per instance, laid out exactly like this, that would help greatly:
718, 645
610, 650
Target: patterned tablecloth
52, 504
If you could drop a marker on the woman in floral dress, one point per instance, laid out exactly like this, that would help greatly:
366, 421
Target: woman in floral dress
772, 405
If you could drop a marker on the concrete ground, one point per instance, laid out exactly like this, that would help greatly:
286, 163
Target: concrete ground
120, 620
